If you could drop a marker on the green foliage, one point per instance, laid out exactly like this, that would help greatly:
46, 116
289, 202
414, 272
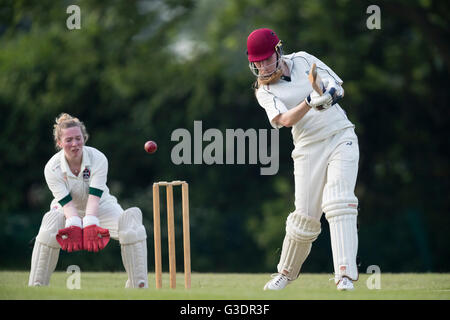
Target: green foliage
137, 70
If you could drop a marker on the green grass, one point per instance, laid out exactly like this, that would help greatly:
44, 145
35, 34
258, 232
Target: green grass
212, 286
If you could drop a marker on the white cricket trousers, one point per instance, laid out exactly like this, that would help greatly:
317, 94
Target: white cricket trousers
333, 159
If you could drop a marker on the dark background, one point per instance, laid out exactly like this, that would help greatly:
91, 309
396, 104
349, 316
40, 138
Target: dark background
138, 70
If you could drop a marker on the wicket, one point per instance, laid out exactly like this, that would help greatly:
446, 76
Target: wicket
171, 233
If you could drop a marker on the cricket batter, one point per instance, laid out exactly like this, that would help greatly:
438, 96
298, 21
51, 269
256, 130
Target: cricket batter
325, 155
83, 215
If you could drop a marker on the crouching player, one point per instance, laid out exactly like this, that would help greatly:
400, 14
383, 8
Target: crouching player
83, 215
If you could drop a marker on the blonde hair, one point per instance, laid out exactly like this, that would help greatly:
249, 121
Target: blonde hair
272, 79
64, 121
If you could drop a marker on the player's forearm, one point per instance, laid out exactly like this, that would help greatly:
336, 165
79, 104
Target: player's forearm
92, 205
294, 115
70, 210
71, 214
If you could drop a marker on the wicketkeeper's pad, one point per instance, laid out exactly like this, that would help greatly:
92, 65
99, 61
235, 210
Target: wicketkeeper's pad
132, 238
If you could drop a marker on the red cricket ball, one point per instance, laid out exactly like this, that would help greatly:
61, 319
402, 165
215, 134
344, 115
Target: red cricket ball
150, 146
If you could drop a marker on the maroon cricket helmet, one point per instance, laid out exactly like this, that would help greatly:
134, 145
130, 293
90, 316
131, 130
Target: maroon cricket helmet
261, 44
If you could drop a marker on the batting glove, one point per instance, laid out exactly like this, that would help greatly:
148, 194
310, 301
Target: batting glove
335, 90
319, 102
331, 90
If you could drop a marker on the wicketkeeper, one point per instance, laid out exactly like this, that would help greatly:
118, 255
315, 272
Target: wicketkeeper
83, 214
325, 155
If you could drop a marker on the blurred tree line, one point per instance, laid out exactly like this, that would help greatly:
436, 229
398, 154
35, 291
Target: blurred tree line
138, 70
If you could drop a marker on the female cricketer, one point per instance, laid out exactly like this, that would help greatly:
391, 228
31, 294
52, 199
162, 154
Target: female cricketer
83, 214
325, 156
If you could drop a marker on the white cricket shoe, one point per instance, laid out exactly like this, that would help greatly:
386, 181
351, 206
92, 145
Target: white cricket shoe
128, 284
279, 281
345, 284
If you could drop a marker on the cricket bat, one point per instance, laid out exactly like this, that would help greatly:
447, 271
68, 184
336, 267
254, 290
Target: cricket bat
315, 80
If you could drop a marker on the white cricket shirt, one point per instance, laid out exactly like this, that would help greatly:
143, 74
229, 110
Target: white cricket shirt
283, 95
65, 186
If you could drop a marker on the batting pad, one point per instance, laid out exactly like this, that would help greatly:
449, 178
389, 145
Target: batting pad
341, 209
46, 249
339, 199
133, 244
301, 231
344, 244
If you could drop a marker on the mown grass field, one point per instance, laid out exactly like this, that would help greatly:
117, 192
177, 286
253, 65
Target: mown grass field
212, 286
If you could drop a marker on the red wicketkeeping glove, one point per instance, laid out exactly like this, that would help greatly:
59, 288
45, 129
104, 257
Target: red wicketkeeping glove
70, 239
95, 238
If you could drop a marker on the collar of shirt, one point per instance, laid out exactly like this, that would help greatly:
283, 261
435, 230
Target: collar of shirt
290, 64
85, 162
